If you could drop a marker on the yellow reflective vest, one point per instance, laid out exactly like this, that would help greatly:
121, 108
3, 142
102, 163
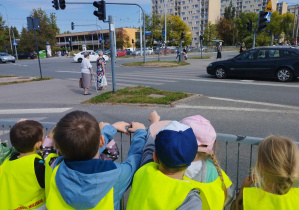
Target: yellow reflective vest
152, 189
55, 200
19, 188
256, 198
212, 193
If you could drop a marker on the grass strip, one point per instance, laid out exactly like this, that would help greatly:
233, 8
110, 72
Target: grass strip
159, 64
139, 95
25, 81
199, 57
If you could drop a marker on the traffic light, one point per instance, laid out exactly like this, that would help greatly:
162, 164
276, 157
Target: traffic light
270, 33
249, 26
262, 21
201, 37
72, 25
62, 4
55, 4
132, 41
182, 35
101, 13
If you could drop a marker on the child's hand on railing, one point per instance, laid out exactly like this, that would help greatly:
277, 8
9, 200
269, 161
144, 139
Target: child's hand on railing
135, 126
121, 127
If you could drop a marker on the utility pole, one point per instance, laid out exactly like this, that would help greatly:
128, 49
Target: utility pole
165, 6
140, 32
111, 30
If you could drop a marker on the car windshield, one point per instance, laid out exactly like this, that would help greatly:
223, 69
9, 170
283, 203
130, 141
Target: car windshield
3, 54
249, 55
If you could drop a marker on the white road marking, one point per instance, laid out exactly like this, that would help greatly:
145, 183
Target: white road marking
34, 111
237, 109
73, 72
246, 83
254, 102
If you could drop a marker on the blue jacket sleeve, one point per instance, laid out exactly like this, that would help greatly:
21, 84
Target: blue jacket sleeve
108, 132
131, 164
148, 150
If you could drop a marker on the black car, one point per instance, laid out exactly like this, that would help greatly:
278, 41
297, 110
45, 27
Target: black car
26, 55
281, 63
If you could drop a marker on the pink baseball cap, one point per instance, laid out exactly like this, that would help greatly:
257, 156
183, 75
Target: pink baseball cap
204, 132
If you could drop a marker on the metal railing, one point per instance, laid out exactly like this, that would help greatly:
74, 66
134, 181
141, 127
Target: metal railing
239, 155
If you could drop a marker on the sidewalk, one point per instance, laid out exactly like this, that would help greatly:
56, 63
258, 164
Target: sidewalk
15, 79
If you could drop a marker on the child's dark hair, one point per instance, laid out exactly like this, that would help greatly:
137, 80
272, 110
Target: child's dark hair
77, 136
25, 134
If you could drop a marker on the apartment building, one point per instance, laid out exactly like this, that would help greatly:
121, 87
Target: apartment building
247, 5
195, 13
282, 7
294, 9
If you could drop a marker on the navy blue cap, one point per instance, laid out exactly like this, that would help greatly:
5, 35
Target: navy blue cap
176, 145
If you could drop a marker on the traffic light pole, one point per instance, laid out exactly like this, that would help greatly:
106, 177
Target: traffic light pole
129, 4
181, 50
201, 48
254, 35
111, 29
40, 69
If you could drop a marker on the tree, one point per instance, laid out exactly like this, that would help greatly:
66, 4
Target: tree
230, 12
226, 29
47, 32
209, 33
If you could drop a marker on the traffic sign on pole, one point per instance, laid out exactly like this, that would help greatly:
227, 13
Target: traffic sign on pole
15, 43
100, 38
163, 33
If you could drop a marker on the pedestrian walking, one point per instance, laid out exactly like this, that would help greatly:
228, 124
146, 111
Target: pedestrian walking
242, 48
101, 72
86, 71
218, 48
185, 52
178, 54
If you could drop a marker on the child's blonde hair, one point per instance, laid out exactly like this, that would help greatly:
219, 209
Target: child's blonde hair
277, 166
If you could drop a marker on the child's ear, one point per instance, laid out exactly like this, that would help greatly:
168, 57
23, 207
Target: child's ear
38, 144
156, 160
102, 141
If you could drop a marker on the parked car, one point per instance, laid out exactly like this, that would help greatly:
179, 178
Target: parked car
136, 52
129, 51
78, 57
149, 51
5, 57
26, 55
162, 51
121, 53
277, 62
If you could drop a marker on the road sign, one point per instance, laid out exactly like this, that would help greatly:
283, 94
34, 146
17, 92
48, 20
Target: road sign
163, 33
269, 7
148, 33
268, 16
18, 39
100, 38
15, 43
276, 36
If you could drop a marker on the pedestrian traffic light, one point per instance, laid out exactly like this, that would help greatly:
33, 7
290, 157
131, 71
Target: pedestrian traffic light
249, 26
101, 6
201, 37
55, 4
132, 41
262, 21
182, 35
62, 4
72, 25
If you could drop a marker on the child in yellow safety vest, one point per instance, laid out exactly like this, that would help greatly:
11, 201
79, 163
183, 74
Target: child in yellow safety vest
80, 179
216, 188
161, 184
274, 175
22, 174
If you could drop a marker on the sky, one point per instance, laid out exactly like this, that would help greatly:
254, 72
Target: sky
80, 14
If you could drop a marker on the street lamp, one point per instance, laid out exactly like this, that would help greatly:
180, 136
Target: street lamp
8, 27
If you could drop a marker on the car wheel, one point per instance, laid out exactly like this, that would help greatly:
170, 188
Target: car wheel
220, 73
13, 61
28, 58
80, 60
284, 75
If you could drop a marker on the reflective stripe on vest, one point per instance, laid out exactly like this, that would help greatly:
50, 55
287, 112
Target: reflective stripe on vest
19, 188
212, 193
152, 189
48, 172
254, 197
55, 200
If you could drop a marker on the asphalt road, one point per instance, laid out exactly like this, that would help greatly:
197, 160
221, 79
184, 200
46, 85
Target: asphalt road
244, 106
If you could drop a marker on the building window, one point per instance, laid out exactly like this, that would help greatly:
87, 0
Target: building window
183, 2
194, 39
172, 4
259, 5
244, 7
194, 17
185, 18
182, 13
197, 22
189, 23
198, 11
190, 1
186, 7
161, 1
222, 5
195, 6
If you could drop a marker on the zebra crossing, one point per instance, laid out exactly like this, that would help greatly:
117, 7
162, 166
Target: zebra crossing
152, 77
